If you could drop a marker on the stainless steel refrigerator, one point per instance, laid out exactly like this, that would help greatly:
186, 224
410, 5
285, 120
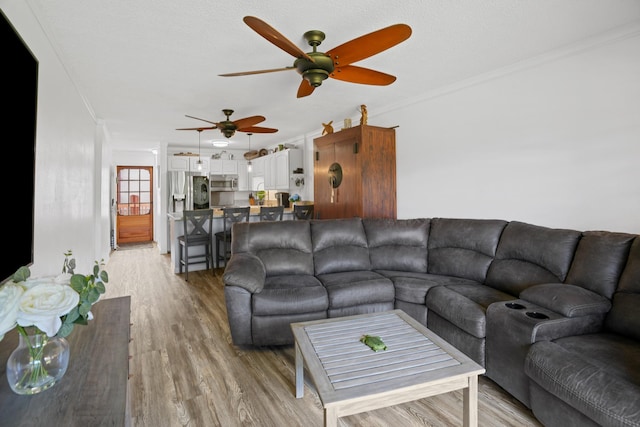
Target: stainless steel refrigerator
188, 191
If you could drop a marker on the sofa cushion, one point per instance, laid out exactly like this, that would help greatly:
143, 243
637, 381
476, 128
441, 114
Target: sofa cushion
465, 306
351, 288
398, 244
274, 244
598, 374
599, 261
290, 294
463, 247
413, 287
624, 317
568, 300
530, 254
339, 245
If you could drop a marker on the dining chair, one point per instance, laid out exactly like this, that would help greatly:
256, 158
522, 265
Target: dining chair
197, 232
223, 238
271, 213
302, 211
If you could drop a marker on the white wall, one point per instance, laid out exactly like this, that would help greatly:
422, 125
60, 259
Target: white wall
68, 211
554, 144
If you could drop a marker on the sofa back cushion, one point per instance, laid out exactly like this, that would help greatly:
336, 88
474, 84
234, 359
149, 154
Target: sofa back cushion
463, 247
339, 245
397, 244
599, 261
283, 246
624, 317
530, 254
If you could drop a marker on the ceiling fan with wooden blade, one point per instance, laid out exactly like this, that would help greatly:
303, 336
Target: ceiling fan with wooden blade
229, 127
315, 67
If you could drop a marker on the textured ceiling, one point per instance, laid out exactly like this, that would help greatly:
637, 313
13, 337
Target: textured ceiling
142, 65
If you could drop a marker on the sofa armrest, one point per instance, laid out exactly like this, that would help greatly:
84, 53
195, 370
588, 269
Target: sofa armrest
567, 300
512, 326
246, 271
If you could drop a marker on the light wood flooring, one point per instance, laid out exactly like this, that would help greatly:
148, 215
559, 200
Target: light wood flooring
186, 372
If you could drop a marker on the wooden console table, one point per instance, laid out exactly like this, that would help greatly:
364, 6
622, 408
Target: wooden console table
94, 390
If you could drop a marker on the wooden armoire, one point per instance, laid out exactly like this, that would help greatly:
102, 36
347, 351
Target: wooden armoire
355, 173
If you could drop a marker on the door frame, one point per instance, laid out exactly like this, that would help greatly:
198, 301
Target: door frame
130, 225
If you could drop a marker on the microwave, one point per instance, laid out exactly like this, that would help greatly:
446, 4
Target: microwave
223, 183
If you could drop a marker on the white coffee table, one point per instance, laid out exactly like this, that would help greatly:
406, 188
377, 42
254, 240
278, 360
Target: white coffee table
351, 378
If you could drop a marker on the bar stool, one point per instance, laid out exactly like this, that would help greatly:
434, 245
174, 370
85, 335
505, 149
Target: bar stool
271, 213
229, 217
302, 211
197, 232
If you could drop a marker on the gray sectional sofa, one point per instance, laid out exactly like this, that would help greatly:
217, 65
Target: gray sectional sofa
552, 314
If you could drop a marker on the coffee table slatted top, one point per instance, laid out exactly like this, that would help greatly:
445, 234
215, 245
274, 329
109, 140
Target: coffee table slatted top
344, 367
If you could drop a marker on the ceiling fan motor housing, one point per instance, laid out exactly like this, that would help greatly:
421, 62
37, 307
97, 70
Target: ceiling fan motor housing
315, 72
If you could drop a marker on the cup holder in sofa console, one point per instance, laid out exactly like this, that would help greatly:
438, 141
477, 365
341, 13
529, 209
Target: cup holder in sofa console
536, 315
515, 305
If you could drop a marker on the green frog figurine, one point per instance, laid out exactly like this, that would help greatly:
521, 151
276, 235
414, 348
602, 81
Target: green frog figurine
374, 342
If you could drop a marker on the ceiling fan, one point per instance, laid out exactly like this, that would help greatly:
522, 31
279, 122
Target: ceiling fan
229, 127
316, 66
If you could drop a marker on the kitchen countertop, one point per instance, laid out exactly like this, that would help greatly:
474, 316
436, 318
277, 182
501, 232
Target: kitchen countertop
217, 213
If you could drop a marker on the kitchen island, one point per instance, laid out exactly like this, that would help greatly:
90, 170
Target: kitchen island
176, 229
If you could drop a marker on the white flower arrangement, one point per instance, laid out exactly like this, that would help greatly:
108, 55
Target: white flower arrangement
51, 304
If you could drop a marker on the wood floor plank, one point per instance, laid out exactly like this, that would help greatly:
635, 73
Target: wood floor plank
186, 372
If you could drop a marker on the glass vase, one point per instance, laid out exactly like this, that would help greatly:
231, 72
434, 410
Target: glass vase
37, 363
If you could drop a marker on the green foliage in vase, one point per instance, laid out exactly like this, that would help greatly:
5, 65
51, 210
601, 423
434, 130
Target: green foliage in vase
89, 287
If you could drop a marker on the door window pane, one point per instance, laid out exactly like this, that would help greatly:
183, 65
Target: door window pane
134, 190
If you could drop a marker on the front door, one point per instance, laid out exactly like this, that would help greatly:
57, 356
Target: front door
134, 204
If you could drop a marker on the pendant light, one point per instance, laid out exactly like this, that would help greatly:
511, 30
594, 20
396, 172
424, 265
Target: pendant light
199, 162
249, 166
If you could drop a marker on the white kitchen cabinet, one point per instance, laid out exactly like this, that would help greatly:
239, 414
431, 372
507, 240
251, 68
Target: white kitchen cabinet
193, 165
243, 176
178, 163
223, 167
285, 163
270, 172
215, 167
229, 167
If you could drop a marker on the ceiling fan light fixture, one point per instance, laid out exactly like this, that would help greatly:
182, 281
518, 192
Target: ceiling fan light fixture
315, 76
220, 143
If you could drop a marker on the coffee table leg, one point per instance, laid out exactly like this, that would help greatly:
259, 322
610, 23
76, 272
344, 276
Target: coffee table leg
299, 373
470, 402
330, 417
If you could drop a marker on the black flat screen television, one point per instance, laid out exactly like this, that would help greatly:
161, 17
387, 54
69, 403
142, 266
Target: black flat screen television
20, 105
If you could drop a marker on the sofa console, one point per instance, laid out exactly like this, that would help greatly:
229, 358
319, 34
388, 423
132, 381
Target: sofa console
552, 314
